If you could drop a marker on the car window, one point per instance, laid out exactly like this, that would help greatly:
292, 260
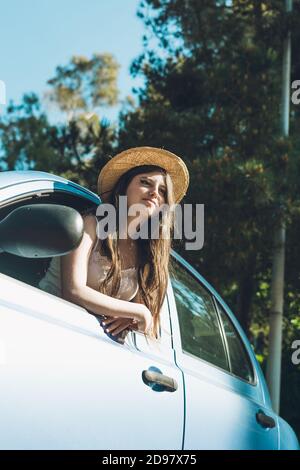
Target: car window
240, 363
198, 320
28, 270
32, 270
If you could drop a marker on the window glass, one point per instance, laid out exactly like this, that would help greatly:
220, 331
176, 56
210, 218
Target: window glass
240, 362
28, 270
198, 320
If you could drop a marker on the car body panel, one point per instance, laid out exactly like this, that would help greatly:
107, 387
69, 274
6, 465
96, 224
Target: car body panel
220, 408
66, 385
287, 438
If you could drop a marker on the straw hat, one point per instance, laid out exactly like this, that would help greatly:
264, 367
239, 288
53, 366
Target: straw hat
124, 161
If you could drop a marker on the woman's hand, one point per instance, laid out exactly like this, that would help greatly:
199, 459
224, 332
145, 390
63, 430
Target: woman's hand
115, 325
144, 321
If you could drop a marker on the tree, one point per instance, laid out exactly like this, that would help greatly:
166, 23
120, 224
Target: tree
78, 148
84, 85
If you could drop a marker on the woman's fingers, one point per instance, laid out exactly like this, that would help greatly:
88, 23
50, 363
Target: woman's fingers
118, 327
113, 324
109, 320
116, 324
122, 337
112, 320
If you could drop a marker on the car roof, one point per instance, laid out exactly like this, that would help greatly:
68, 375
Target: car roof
9, 178
15, 177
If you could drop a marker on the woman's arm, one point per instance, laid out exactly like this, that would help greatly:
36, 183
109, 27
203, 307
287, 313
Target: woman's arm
74, 269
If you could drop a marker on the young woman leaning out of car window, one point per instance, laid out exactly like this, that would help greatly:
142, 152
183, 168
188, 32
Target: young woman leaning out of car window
120, 278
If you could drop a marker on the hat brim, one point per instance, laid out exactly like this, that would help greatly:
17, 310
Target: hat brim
138, 156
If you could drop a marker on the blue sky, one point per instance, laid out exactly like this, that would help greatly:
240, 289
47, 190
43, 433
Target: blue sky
38, 35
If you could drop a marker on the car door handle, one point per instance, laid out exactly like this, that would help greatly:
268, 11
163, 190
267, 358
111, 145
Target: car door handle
265, 420
159, 382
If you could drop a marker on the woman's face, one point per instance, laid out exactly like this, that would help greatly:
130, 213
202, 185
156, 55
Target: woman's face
148, 189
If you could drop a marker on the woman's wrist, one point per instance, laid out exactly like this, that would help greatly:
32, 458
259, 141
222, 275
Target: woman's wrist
141, 313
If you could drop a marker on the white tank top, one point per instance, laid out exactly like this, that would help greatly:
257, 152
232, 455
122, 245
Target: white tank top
98, 267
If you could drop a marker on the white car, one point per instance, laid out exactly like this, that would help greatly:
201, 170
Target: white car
66, 385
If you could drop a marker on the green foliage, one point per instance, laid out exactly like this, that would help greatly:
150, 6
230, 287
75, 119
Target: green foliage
78, 148
25, 137
75, 150
85, 84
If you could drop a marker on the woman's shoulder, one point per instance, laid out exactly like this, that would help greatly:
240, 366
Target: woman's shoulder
90, 225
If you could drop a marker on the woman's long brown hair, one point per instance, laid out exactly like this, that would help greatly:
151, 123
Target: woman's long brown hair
153, 254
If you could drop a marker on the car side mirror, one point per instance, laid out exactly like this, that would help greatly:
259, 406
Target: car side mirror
41, 231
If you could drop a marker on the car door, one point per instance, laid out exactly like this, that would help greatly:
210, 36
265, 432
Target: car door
64, 383
226, 403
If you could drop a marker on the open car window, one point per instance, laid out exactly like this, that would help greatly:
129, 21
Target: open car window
32, 270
